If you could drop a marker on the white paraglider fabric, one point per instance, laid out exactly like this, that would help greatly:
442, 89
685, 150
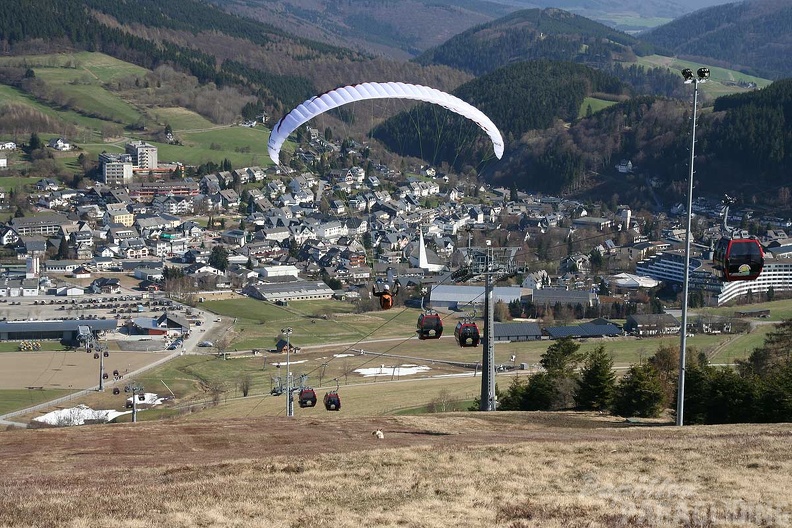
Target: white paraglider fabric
372, 90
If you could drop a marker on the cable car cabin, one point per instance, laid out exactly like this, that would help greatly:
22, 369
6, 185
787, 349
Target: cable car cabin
738, 259
307, 397
332, 401
467, 334
429, 326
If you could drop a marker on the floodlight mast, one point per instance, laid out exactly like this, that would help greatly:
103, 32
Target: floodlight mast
702, 74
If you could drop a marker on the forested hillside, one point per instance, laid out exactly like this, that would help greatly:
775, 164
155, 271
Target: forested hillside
533, 34
518, 98
745, 134
752, 36
555, 35
215, 47
751, 133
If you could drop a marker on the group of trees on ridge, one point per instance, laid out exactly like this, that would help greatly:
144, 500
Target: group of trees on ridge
759, 389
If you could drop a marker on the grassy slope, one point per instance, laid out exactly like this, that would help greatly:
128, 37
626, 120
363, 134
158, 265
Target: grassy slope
499, 469
81, 76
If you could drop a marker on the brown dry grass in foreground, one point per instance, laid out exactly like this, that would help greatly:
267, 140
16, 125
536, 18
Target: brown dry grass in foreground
514, 470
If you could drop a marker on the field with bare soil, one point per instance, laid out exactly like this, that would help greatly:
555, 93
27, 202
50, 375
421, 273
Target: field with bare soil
490, 469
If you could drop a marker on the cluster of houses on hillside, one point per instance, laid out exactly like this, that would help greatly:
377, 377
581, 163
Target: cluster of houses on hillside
284, 230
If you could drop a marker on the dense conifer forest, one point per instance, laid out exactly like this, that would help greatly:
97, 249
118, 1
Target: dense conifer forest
752, 37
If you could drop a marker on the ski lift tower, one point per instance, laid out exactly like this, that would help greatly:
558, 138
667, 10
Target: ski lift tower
494, 264
88, 340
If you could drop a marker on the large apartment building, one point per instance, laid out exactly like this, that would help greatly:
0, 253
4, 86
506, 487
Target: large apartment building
669, 266
116, 168
144, 156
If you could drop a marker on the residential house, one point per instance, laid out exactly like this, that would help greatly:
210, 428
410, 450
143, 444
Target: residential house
229, 198
59, 144
118, 232
47, 184
234, 237
105, 285
117, 213
133, 248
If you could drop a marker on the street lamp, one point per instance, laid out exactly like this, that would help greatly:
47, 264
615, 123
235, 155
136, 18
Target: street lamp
702, 74
289, 403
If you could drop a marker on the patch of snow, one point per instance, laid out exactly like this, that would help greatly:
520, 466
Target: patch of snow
385, 370
81, 413
149, 398
343, 355
78, 416
283, 363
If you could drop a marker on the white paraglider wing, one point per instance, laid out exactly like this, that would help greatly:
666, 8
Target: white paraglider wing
373, 90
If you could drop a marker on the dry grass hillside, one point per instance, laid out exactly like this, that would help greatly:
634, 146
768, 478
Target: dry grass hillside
496, 469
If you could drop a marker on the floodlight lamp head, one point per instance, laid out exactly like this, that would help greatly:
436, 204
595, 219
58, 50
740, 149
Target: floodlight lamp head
687, 73
703, 74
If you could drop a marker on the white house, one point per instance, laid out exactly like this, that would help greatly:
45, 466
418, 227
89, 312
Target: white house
59, 144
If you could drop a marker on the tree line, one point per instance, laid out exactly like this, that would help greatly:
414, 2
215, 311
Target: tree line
757, 389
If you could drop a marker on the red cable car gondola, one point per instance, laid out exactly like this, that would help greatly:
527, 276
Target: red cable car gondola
467, 334
429, 326
307, 397
332, 401
737, 259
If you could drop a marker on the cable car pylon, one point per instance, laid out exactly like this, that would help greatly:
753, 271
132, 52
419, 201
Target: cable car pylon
493, 264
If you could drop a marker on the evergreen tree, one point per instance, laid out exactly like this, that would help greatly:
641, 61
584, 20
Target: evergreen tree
540, 393
249, 263
219, 258
639, 393
515, 394
597, 383
34, 143
561, 357
63, 248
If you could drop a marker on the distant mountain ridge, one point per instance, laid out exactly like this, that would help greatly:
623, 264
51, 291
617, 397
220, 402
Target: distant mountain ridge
533, 34
752, 36
405, 28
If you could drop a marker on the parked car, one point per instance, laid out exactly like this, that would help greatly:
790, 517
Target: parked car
205, 344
